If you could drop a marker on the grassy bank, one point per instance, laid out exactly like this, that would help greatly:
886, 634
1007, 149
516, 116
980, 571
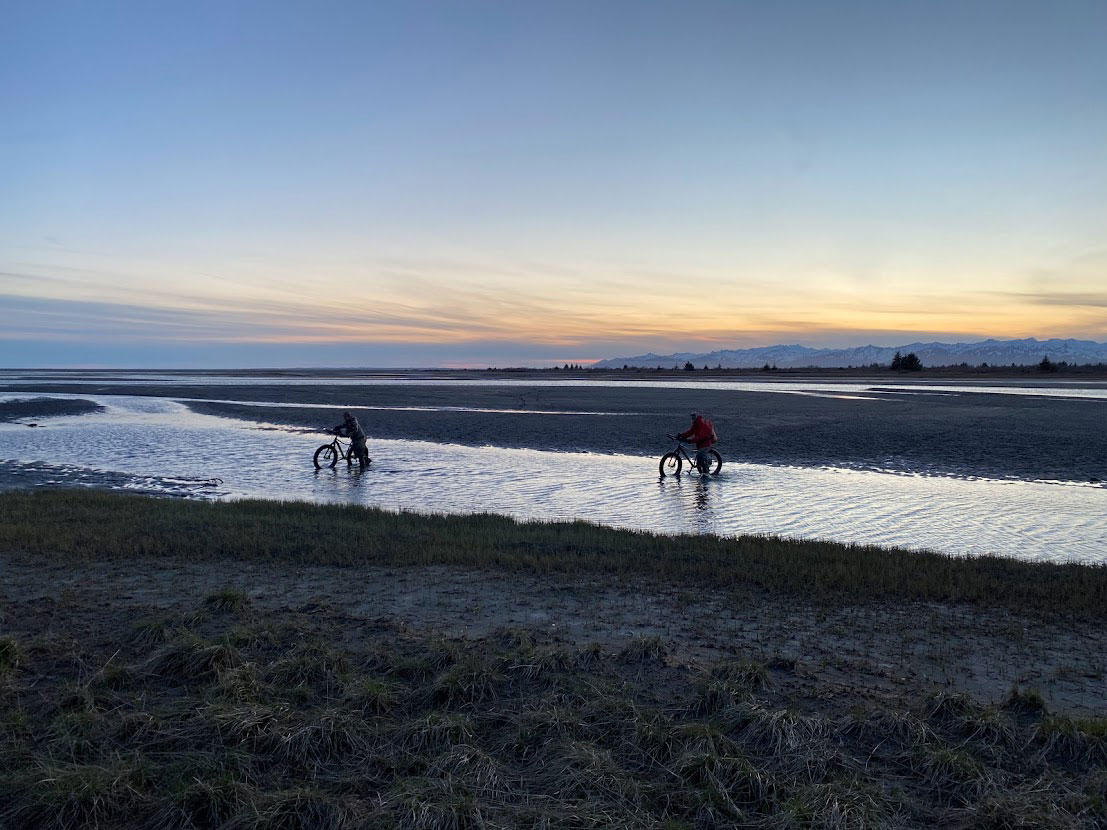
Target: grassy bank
98, 525
229, 716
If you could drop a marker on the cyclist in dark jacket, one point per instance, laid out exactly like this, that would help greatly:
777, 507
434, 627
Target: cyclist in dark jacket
350, 428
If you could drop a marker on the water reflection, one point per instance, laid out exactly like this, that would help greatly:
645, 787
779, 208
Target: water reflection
149, 443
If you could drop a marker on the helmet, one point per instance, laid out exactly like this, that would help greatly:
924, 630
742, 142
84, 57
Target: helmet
347, 416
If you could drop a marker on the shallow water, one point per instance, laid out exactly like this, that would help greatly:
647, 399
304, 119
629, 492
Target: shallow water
158, 444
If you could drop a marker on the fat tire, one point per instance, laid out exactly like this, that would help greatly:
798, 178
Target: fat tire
325, 456
666, 457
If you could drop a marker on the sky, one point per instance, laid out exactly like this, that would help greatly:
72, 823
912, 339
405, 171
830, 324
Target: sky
525, 183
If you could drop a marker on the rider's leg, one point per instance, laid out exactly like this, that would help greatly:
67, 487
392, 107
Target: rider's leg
702, 462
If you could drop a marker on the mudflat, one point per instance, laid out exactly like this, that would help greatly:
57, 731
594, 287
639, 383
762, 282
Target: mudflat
972, 434
29, 409
918, 430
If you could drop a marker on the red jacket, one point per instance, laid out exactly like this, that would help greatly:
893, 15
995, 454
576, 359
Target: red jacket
702, 432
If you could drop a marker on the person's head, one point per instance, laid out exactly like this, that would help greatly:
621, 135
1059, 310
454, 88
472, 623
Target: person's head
696, 416
346, 416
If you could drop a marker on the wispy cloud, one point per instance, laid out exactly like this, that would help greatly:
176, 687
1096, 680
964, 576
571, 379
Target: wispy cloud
1070, 299
590, 310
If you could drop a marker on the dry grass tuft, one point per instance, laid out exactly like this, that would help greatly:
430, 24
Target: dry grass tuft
190, 659
1041, 805
437, 731
748, 673
470, 681
589, 656
889, 725
228, 599
326, 737
73, 796
295, 809
474, 768
1025, 701
311, 668
644, 649
778, 732
154, 632
539, 666
435, 804
585, 772
951, 774
372, 698
1076, 739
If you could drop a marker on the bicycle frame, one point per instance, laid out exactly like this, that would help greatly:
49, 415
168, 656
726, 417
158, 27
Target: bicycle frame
681, 449
343, 450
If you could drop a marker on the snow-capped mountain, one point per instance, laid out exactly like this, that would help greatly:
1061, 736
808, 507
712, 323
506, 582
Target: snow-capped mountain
994, 352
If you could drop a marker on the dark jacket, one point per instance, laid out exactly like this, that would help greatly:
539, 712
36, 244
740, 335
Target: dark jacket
350, 428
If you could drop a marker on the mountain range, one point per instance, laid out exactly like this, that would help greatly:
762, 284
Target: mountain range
994, 352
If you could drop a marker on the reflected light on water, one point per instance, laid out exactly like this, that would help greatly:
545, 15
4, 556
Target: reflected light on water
154, 443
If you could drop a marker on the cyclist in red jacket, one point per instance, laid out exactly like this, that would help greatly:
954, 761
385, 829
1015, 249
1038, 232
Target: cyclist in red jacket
702, 432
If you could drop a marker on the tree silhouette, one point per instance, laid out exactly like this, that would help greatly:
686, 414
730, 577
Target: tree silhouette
906, 363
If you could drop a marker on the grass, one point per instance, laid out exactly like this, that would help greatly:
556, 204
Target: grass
130, 527
304, 723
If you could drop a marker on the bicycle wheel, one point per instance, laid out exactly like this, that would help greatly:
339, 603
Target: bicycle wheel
670, 465
714, 463
325, 456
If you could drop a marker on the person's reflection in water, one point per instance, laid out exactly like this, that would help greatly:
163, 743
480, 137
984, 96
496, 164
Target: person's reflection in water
702, 500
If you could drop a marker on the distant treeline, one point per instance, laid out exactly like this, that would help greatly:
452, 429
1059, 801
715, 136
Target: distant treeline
905, 364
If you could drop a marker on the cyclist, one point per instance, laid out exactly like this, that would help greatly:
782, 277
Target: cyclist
702, 432
350, 428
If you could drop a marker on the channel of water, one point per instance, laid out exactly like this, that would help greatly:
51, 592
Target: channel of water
158, 444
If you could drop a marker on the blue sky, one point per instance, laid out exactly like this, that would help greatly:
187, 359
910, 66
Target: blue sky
465, 182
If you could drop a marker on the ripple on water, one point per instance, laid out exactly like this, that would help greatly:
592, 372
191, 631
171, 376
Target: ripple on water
153, 442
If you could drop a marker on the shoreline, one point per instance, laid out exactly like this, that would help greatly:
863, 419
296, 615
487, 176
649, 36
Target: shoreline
303, 534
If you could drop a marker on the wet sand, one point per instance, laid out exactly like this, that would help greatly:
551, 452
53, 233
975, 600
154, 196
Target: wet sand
29, 410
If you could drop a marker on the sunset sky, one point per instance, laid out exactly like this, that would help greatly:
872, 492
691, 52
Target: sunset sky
473, 183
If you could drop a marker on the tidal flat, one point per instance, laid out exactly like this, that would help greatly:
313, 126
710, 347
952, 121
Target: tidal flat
882, 424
